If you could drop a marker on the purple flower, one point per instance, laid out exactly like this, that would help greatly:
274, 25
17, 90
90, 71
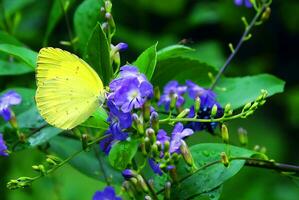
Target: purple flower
172, 89
107, 194
118, 120
128, 173
207, 101
155, 166
6, 100
3, 147
162, 137
178, 134
247, 3
132, 94
121, 47
130, 90
207, 97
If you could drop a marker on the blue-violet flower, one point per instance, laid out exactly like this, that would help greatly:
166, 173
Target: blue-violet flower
171, 89
107, 194
6, 100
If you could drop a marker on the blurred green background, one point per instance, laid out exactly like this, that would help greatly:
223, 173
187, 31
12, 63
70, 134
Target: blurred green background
208, 26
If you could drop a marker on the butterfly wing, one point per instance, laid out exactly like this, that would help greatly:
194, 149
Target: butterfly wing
68, 89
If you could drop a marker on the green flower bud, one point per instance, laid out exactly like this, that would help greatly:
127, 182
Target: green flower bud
155, 151
224, 133
246, 107
243, 136
142, 183
151, 134
224, 159
147, 143
146, 110
166, 146
186, 153
196, 105
183, 114
108, 6
266, 14
157, 93
129, 189
214, 111
173, 101
167, 190
147, 197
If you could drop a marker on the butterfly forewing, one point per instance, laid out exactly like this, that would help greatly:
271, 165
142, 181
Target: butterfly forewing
69, 90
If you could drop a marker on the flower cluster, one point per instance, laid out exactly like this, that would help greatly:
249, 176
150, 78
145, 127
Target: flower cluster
128, 92
168, 146
8, 99
247, 3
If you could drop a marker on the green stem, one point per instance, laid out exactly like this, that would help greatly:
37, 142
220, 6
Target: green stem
222, 119
68, 26
69, 158
241, 41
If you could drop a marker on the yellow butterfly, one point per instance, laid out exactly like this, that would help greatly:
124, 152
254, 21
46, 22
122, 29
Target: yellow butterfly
68, 89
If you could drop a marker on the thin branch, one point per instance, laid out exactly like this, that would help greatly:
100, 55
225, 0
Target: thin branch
241, 41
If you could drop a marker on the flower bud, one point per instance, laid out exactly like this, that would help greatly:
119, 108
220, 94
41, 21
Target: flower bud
102, 10
183, 114
246, 107
147, 197
154, 150
196, 105
157, 93
54, 158
143, 147
167, 190
50, 161
147, 143
224, 159
254, 106
166, 146
108, 6
151, 134
121, 47
214, 111
129, 173
256, 148
134, 182
173, 100
175, 157
228, 110
146, 111
224, 133
243, 136
154, 119
108, 15
186, 153
142, 183
266, 14
129, 189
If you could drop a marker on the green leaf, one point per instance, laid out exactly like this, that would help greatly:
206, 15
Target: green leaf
14, 68
85, 19
5, 38
241, 90
44, 135
56, 14
92, 163
97, 54
24, 54
173, 51
209, 178
182, 69
97, 120
146, 62
122, 153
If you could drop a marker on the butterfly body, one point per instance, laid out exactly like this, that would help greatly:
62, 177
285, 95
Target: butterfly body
68, 89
